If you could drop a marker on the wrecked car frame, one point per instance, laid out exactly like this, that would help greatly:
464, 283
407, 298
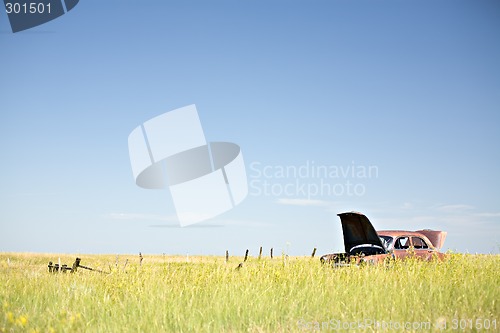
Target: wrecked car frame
363, 244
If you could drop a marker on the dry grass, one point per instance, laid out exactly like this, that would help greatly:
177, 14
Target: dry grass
205, 294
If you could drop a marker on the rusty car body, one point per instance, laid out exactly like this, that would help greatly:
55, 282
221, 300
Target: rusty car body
423, 244
363, 244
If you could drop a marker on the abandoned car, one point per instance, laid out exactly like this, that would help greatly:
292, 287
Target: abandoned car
423, 244
363, 244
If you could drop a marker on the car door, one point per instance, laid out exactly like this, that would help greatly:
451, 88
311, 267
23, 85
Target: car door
421, 249
401, 246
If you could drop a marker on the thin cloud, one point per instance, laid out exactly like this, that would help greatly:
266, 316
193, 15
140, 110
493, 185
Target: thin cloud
454, 208
487, 214
303, 202
217, 223
33, 194
196, 225
243, 223
139, 216
407, 205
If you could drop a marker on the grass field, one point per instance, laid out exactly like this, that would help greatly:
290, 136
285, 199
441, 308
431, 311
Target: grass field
206, 294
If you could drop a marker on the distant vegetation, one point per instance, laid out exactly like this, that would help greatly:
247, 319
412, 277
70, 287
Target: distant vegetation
206, 294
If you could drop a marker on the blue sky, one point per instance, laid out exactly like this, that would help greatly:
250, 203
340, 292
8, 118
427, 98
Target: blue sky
411, 88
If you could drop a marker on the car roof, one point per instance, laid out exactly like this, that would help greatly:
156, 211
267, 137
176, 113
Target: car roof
400, 233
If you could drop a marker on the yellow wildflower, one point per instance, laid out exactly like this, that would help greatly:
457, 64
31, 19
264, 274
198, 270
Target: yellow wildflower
10, 317
21, 321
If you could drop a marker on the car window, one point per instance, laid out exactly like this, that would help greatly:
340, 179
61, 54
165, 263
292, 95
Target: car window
419, 243
402, 243
387, 241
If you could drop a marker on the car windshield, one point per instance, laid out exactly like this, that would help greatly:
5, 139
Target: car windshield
387, 241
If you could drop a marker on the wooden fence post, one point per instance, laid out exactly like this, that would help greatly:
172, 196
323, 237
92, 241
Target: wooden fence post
314, 252
271, 253
246, 255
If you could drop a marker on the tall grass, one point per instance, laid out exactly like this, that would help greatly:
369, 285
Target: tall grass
168, 294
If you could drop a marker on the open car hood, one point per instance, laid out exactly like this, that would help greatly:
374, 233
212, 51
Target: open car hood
358, 230
436, 237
